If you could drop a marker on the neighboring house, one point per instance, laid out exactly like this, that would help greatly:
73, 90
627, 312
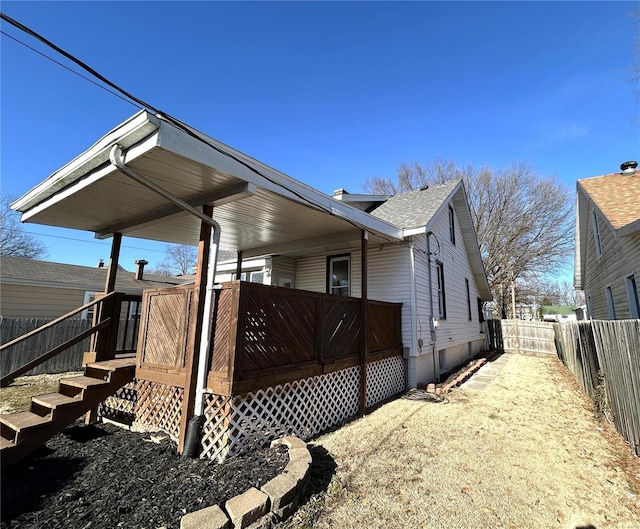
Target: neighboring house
607, 258
43, 289
558, 313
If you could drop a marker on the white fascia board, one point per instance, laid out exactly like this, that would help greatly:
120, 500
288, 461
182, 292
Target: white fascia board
132, 131
409, 232
179, 142
68, 286
78, 182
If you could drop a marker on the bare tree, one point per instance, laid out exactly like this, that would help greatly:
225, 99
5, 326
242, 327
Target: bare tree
523, 221
14, 241
180, 260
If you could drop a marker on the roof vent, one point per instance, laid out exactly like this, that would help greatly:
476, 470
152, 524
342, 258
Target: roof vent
629, 168
100, 263
340, 191
424, 188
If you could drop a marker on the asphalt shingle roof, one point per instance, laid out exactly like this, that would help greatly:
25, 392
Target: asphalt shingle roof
75, 276
616, 195
415, 208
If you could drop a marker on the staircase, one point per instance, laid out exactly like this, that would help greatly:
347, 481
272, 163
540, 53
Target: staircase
21, 433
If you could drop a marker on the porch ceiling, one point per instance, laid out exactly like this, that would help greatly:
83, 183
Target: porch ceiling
259, 209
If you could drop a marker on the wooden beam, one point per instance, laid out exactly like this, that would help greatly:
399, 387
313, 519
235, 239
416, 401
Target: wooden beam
304, 244
364, 322
112, 270
188, 402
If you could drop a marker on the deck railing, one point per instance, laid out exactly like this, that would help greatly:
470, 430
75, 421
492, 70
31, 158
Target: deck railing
46, 342
262, 335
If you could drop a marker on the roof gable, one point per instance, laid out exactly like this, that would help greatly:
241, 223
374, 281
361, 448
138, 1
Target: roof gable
415, 208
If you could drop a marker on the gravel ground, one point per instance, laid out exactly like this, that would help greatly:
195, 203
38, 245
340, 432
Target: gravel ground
525, 453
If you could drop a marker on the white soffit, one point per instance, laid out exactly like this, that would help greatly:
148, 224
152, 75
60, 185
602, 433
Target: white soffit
254, 210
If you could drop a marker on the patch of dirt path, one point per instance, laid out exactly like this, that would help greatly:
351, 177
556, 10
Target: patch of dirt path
525, 453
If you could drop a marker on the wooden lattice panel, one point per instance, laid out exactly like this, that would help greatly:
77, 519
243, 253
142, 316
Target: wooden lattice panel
385, 378
159, 406
225, 302
278, 328
121, 406
302, 408
341, 327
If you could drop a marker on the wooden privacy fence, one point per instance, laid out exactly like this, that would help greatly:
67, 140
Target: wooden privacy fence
69, 359
613, 348
515, 336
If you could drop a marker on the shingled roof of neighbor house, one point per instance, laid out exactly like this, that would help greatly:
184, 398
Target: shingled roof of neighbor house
415, 208
30, 271
616, 195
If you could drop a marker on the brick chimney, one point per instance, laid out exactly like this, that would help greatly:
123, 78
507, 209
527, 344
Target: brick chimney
140, 268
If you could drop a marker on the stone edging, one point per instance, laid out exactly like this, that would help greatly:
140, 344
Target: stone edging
260, 509
442, 390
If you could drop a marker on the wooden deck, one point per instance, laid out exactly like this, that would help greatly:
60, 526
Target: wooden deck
263, 336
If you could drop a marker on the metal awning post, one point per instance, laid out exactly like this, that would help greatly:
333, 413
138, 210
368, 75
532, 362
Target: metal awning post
364, 322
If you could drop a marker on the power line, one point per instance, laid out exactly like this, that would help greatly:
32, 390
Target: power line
102, 243
165, 116
69, 69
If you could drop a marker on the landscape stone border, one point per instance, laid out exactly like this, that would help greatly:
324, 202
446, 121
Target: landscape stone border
260, 509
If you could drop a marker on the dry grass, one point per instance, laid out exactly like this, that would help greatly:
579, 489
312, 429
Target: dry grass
17, 396
525, 453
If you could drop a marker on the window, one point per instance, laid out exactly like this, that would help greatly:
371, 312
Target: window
87, 314
480, 312
596, 233
610, 306
338, 275
466, 283
589, 308
442, 305
256, 277
452, 225
632, 294
243, 276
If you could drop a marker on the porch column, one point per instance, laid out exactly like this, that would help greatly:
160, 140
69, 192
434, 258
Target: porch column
364, 322
188, 401
112, 270
239, 266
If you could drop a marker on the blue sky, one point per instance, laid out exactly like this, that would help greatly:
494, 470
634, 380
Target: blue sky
330, 93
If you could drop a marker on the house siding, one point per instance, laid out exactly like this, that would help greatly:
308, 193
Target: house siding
456, 332
620, 258
31, 301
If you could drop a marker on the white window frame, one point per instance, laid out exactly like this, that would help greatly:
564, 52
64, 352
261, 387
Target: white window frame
611, 308
256, 272
243, 276
336, 289
87, 314
596, 233
452, 225
440, 287
469, 314
632, 295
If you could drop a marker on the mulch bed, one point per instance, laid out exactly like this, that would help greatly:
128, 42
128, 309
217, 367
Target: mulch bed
102, 476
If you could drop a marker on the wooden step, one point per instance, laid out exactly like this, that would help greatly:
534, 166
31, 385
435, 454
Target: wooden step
114, 365
55, 400
5, 443
23, 421
83, 382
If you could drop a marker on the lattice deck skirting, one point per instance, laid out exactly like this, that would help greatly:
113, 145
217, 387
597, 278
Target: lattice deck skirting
146, 404
240, 424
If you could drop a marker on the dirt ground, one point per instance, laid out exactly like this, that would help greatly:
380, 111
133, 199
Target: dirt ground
17, 396
525, 453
